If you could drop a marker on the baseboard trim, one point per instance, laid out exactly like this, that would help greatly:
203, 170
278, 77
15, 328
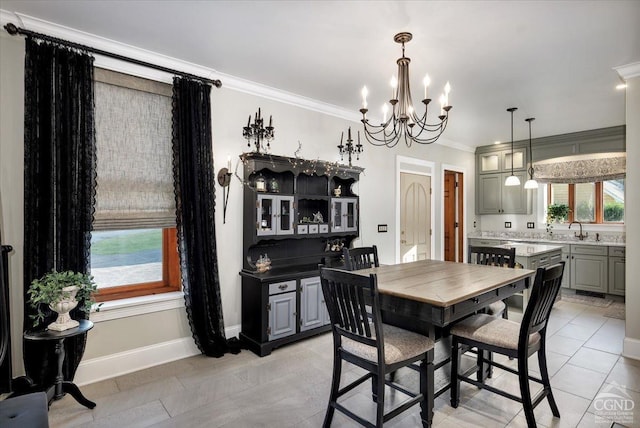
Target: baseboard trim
631, 348
121, 363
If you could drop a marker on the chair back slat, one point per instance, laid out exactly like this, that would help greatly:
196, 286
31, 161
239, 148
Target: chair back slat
360, 258
543, 295
492, 256
347, 295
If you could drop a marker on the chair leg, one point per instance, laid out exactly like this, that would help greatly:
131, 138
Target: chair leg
485, 371
427, 390
544, 374
505, 313
374, 388
523, 377
380, 399
335, 386
455, 364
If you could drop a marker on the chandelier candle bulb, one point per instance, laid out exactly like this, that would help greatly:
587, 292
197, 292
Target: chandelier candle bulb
270, 120
385, 110
394, 85
447, 89
427, 82
365, 92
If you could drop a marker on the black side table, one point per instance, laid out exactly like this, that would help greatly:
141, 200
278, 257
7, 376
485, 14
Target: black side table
61, 386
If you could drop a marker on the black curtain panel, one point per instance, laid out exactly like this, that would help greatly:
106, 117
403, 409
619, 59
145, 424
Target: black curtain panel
194, 183
59, 183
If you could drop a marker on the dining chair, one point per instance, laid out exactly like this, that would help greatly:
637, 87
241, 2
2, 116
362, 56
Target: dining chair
514, 340
360, 258
493, 256
378, 348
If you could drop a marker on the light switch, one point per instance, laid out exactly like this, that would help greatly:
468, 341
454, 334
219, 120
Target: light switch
382, 228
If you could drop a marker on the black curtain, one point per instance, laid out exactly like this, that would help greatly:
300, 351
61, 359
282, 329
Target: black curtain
195, 203
59, 183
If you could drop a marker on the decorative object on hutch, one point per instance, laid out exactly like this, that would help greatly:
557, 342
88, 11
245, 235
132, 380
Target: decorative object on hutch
512, 180
258, 132
299, 227
404, 119
224, 180
350, 148
531, 183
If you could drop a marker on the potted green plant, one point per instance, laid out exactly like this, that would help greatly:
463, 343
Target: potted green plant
557, 212
61, 292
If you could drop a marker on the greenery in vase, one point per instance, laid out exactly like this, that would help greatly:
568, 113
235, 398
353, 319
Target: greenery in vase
557, 212
50, 289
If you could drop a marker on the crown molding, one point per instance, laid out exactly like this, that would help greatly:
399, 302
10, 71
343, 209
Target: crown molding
628, 71
228, 81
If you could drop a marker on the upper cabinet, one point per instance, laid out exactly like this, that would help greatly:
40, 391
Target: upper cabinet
493, 168
296, 211
500, 161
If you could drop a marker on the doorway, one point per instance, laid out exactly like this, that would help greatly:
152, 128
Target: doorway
415, 217
453, 215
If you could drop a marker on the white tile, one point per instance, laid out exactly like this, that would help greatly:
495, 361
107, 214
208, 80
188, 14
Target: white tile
577, 380
593, 359
563, 345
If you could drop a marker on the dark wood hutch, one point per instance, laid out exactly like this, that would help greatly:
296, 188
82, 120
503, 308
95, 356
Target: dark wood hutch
293, 216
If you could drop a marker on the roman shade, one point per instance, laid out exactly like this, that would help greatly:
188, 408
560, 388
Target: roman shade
582, 168
134, 154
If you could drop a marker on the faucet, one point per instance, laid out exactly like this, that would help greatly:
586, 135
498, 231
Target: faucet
581, 236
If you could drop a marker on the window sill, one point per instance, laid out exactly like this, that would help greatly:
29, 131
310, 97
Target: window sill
124, 308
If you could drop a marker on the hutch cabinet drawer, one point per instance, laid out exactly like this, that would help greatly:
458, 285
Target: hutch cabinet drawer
324, 228
313, 228
282, 287
302, 229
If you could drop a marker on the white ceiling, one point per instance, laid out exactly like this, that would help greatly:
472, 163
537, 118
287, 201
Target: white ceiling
552, 59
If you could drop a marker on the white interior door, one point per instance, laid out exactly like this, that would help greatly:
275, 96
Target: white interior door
415, 217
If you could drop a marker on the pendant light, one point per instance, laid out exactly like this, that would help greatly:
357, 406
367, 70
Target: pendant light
531, 183
512, 180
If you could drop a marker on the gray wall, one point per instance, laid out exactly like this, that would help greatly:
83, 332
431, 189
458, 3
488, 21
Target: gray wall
319, 135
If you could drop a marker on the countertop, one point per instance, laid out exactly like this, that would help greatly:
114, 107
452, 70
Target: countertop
528, 250
563, 240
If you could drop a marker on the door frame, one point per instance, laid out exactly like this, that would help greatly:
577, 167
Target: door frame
465, 208
413, 166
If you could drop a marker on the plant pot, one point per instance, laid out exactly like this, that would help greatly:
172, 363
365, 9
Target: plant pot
62, 308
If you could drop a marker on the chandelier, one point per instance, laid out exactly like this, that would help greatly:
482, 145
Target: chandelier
404, 123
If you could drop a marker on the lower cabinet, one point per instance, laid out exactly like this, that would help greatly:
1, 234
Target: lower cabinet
313, 310
616, 270
589, 265
277, 311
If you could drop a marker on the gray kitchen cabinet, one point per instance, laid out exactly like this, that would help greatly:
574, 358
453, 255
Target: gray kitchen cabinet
275, 215
566, 258
589, 268
281, 310
500, 161
493, 197
313, 310
616, 270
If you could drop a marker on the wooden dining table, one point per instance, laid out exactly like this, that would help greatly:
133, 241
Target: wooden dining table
427, 296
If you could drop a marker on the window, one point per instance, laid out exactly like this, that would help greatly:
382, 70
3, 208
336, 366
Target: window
598, 202
135, 262
134, 243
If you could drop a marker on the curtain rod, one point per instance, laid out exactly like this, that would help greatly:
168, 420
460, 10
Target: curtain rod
13, 30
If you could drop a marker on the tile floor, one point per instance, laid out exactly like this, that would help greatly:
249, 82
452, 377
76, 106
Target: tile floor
290, 387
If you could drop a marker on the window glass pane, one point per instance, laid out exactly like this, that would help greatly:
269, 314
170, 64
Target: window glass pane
125, 257
560, 194
585, 202
613, 200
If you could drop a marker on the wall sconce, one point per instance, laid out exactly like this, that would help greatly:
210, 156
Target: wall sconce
350, 148
258, 132
224, 180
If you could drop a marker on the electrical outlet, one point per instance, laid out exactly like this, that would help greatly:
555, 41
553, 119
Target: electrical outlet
531, 225
507, 225
382, 228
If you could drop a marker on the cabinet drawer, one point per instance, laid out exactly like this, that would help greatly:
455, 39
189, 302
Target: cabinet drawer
589, 249
324, 228
302, 229
617, 251
313, 228
555, 258
282, 287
